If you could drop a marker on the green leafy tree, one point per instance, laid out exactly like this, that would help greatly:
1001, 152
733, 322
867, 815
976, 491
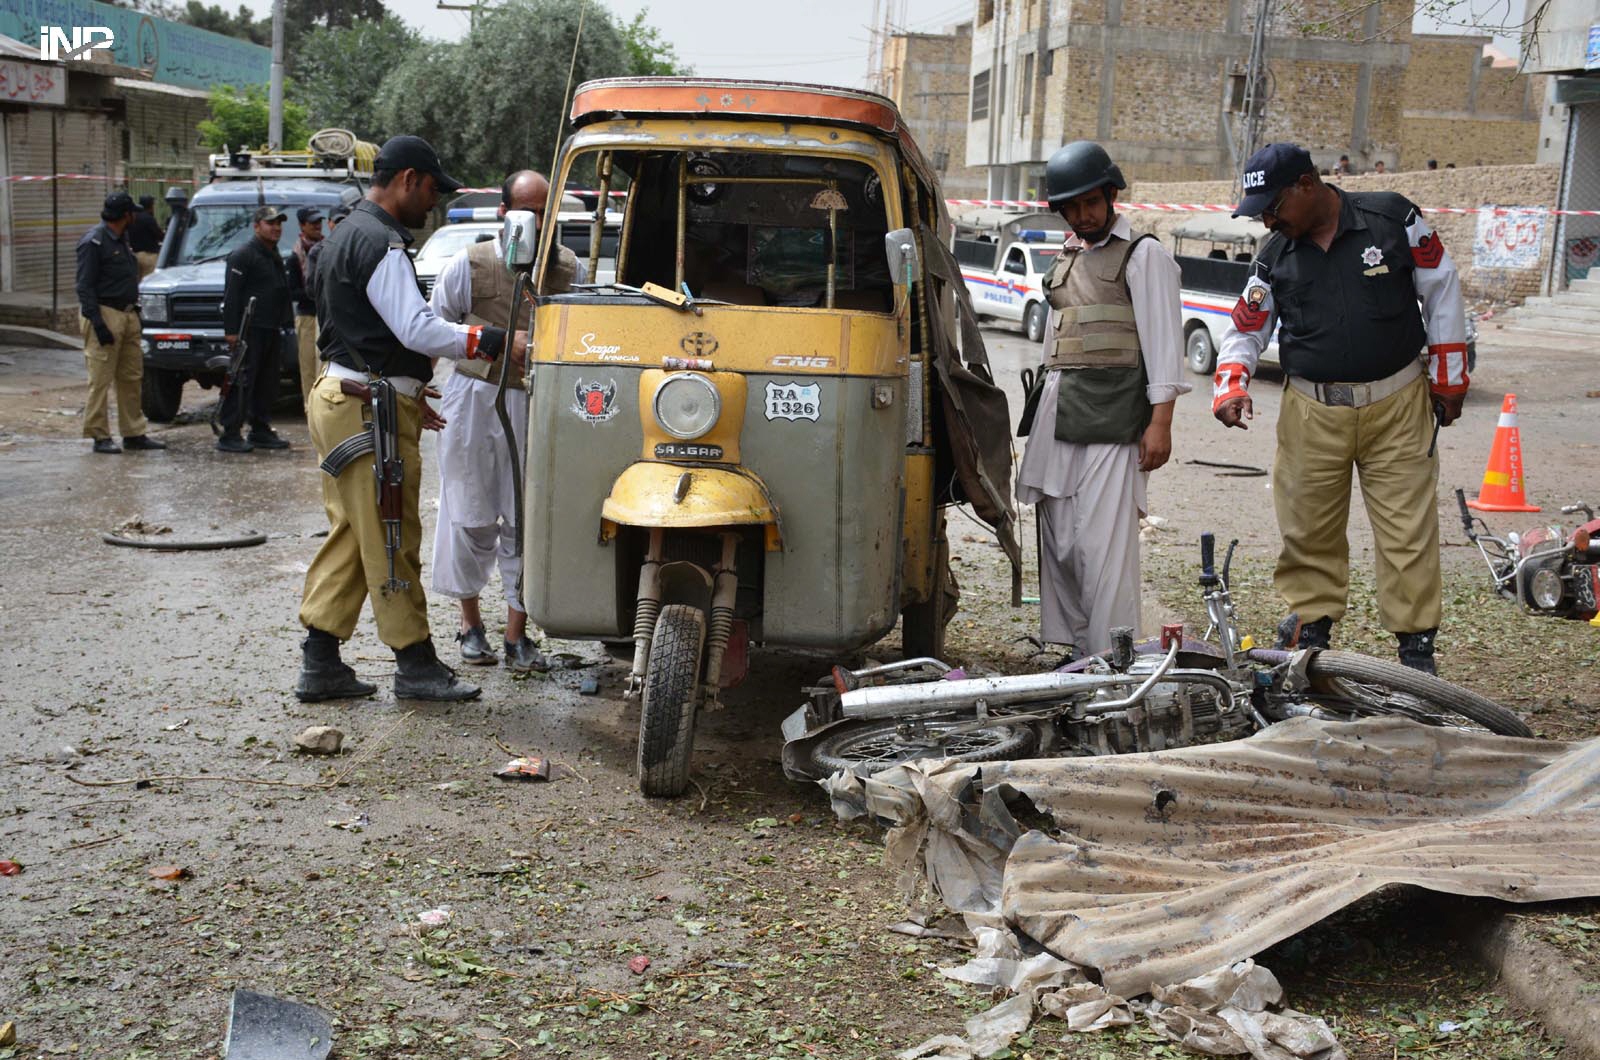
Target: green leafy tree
242, 24
649, 55
332, 71
241, 120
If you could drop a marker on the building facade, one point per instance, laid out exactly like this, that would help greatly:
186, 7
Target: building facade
1161, 84
1467, 104
1566, 46
926, 76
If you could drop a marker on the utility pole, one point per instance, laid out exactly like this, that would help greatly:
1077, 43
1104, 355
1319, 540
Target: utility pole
473, 10
275, 88
1247, 133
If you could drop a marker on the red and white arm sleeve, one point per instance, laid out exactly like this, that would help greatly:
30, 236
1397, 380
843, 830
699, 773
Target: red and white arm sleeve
1444, 314
1244, 339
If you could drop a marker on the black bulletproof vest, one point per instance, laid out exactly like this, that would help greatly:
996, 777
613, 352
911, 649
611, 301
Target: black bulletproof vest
351, 332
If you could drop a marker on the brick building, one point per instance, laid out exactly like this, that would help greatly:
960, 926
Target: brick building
1157, 81
926, 76
1466, 103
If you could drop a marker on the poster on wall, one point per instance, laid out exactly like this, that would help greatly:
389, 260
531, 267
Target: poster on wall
1509, 237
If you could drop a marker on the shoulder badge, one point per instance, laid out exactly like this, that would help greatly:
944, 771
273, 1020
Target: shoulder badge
1249, 313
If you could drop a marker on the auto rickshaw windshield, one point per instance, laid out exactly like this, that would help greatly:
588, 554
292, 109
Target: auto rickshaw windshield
749, 228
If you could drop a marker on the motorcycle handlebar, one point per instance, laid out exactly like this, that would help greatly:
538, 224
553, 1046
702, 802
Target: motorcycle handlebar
1208, 556
1466, 516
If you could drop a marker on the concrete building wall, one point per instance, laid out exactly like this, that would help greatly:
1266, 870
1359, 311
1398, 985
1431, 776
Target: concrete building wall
1463, 107
1521, 185
1150, 80
926, 76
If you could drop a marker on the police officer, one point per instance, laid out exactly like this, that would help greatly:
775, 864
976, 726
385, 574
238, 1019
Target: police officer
255, 270
305, 306
145, 235
373, 324
477, 497
108, 304
1113, 356
1343, 274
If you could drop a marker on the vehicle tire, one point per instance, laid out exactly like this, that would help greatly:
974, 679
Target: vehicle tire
1033, 321
922, 625
160, 394
671, 697
1366, 685
1199, 353
868, 747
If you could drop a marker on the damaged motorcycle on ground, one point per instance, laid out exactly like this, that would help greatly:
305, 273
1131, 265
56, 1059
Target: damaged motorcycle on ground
1549, 571
1184, 692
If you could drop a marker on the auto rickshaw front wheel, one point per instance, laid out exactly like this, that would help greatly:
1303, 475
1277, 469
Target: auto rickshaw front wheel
671, 698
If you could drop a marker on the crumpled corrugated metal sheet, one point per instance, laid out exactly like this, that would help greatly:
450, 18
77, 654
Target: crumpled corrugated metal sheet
1172, 863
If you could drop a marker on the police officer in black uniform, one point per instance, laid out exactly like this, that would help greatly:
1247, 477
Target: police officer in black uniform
374, 325
1373, 347
108, 304
255, 270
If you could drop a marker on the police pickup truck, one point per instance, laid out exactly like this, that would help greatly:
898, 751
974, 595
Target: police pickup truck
1214, 255
181, 302
1003, 261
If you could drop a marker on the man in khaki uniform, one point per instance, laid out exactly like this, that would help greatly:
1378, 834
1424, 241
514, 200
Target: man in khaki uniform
477, 498
305, 304
108, 304
375, 331
1373, 347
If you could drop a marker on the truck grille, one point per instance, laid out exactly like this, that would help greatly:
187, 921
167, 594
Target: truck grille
198, 310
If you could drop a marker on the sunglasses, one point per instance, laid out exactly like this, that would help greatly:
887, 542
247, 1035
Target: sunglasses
1277, 204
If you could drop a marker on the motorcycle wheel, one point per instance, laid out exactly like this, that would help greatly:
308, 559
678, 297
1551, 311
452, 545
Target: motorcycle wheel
868, 747
671, 696
1366, 686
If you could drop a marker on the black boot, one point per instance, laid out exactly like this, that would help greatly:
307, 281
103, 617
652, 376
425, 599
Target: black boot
322, 675
1416, 650
1293, 635
423, 676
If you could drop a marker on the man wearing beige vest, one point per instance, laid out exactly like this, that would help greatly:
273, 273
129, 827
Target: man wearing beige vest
477, 499
1113, 363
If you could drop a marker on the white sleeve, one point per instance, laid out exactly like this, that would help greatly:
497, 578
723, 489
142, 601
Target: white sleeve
393, 292
1443, 311
1153, 283
1245, 337
452, 289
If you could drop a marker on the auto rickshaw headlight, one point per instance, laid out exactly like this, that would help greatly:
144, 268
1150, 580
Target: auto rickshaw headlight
687, 405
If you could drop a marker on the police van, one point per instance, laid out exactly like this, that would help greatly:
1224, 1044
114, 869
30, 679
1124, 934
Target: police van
180, 303
1004, 258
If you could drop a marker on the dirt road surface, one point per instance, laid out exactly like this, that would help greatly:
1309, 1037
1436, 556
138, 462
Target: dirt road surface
762, 917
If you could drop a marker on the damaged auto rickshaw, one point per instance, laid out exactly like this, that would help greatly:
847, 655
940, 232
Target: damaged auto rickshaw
751, 435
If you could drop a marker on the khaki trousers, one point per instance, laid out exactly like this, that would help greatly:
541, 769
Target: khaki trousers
351, 565
1387, 443
305, 331
121, 364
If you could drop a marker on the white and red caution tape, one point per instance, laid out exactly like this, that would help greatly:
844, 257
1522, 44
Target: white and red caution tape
1211, 207
88, 176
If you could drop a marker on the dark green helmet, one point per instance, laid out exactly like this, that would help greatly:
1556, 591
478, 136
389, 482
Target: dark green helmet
1080, 166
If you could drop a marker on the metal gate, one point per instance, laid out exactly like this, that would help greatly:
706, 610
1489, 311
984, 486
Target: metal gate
1578, 238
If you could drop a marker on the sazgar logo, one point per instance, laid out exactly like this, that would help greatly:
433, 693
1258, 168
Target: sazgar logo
55, 43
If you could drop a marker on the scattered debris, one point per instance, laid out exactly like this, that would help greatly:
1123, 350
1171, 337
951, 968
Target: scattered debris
8, 1034
10, 868
175, 726
589, 686
1225, 470
566, 660
137, 525
320, 740
528, 769
161, 544
639, 965
436, 917
170, 872
262, 1027
359, 823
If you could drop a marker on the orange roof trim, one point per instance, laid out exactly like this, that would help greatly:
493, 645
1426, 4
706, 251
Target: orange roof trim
596, 100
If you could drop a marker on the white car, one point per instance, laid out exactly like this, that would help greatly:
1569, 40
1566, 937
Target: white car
446, 243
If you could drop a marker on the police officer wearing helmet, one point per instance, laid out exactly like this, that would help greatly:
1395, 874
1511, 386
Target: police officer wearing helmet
373, 325
1342, 277
108, 304
1112, 371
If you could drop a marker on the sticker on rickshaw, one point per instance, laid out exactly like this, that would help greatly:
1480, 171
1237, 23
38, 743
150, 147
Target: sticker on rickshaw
596, 401
790, 401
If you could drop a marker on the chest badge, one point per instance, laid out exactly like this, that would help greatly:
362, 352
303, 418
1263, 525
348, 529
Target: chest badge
1372, 256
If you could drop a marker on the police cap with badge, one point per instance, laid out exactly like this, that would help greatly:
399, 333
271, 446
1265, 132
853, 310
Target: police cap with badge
1269, 171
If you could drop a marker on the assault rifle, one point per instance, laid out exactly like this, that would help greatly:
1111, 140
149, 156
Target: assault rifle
382, 440
230, 365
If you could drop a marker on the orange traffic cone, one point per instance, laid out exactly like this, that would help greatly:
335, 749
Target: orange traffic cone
1502, 479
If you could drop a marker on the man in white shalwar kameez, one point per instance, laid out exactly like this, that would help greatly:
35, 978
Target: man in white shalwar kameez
1113, 364
477, 498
